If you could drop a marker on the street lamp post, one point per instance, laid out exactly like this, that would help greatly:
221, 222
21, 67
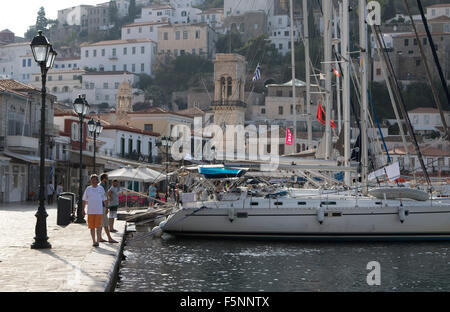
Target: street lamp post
81, 108
95, 129
44, 55
167, 142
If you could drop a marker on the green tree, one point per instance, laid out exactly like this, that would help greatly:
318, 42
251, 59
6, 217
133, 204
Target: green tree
232, 39
41, 20
132, 10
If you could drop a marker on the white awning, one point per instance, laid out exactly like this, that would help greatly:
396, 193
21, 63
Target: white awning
35, 160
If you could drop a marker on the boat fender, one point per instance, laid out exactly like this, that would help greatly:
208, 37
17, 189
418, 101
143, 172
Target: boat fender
157, 231
159, 220
231, 214
321, 215
162, 225
402, 213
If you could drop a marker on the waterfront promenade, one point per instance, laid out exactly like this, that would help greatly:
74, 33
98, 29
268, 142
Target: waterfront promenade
72, 265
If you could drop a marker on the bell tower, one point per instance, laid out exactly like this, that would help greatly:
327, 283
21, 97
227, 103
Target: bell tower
229, 94
124, 100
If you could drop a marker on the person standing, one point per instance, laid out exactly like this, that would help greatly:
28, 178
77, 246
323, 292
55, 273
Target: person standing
59, 189
94, 198
113, 196
152, 194
50, 193
105, 219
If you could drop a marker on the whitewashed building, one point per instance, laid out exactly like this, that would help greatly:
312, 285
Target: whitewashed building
67, 63
13, 57
280, 32
438, 10
213, 17
426, 120
185, 12
61, 83
128, 142
102, 87
144, 30
156, 13
133, 55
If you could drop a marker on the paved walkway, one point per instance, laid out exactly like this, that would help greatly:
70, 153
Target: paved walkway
72, 265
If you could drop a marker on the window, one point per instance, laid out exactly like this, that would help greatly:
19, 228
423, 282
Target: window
175, 52
151, 28
280, 110
94, 53
114, 67
50, 78
263, 111
406, 42
125, 51
378, 71
177, 35
417, 62
185, 35
166, 36
133, 50
36, 78
59, 77
29, 62
142, 67
116, 85
133, 68
197, 34
425, 41
105, 85
142, 50
148, 127
114, 52
86, 53
125, 67
280, 46
279, 93
140, 30
24, 63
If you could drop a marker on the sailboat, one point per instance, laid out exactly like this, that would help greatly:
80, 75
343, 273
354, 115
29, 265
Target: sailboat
362, 214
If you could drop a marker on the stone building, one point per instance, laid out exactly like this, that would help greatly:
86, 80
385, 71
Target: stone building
230, 72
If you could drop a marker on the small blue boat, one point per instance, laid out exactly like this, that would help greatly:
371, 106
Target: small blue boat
220, 173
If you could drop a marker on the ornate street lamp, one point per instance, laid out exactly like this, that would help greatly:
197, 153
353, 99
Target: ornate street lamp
167, 142
45, 56
95, 129
81, 108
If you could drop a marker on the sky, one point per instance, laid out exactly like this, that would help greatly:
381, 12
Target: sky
18, 15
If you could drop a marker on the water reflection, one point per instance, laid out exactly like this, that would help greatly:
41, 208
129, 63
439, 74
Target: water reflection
174, 264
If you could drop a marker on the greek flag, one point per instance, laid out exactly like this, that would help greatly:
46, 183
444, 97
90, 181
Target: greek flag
257, 74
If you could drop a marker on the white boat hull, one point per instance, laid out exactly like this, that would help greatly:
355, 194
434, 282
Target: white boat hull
420, 222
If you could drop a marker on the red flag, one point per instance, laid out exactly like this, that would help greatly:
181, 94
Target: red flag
289, 139
321, 117
320, 114
336, 72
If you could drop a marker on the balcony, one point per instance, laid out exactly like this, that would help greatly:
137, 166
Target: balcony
22, 143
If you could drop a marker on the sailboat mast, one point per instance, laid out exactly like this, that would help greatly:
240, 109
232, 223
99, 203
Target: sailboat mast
338, 79
327, 40
294, 89
307, 71
364, 94
346, 87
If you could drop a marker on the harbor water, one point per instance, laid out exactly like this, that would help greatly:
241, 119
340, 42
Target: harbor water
205, 265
